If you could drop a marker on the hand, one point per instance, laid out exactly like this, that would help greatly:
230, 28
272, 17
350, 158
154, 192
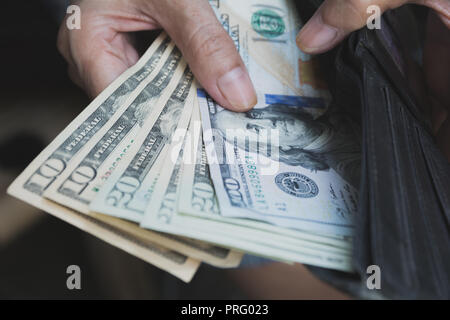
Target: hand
103, 48
335, 19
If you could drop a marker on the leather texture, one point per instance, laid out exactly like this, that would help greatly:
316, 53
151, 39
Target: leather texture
404, 205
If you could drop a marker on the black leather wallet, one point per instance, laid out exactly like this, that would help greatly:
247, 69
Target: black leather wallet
404, 206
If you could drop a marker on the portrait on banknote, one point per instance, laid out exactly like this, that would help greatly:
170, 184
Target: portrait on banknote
315, 144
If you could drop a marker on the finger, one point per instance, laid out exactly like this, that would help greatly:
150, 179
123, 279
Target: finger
101, 74
103, 48
442, 8
209, 51
335, 19
98, 70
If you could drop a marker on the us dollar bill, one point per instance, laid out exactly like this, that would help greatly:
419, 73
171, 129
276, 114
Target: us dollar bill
77, 186
163, 215
264, 33
126, 193
43, 170
293, 161
93, 119
165, 202
198, 199
300, 189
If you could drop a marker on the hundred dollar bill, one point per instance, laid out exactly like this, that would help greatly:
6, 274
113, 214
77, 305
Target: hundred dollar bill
77, 186
305, 189
264, 33
198, 199
163, 216
43, 170
290, 161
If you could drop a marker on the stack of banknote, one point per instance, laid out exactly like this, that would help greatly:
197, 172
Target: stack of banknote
155, 167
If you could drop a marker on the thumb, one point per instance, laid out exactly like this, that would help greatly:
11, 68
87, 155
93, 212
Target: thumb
209, 51
335, 19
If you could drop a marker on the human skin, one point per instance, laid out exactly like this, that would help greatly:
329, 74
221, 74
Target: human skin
103, 48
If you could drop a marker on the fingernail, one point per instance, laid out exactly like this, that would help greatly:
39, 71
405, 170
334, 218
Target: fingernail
238, 89
315, 36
